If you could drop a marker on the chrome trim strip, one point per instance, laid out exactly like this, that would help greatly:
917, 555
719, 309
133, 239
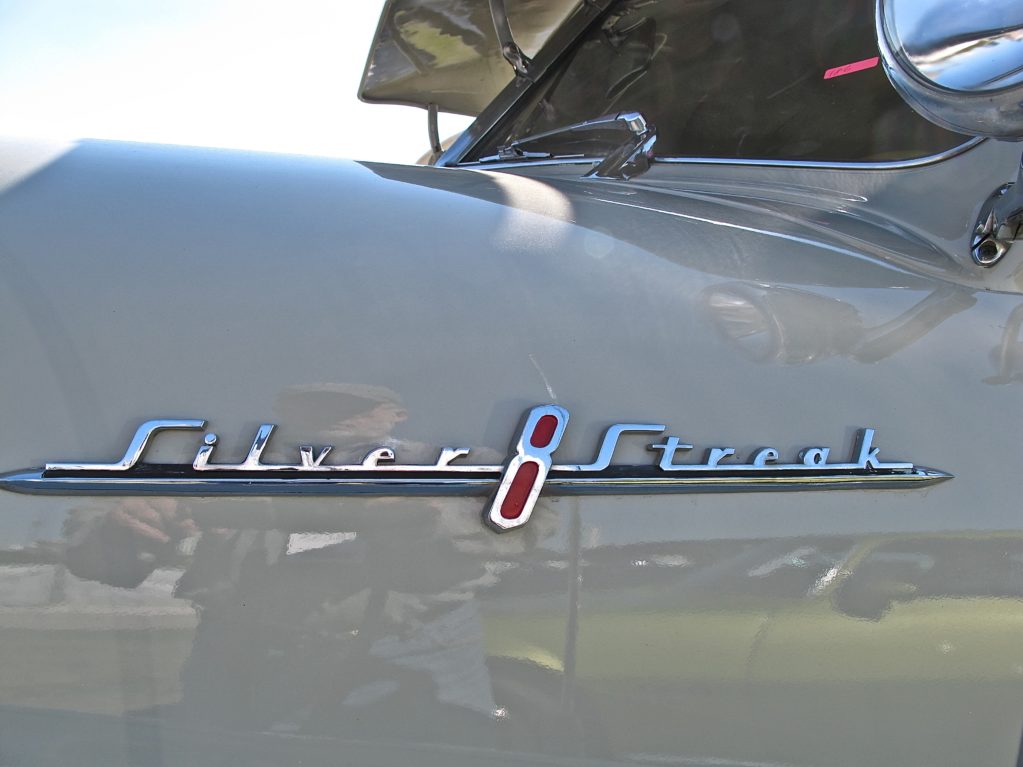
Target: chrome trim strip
918, 477
836, 165
136, 448
816, 164
516, 486
36, 482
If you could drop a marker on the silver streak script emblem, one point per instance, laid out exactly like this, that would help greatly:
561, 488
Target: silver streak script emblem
515, 486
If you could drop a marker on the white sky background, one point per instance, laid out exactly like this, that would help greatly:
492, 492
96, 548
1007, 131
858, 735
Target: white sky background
256, 74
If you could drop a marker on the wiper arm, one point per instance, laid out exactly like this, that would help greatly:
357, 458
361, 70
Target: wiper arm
625, 161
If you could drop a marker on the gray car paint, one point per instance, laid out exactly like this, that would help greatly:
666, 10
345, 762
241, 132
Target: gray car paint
143, 282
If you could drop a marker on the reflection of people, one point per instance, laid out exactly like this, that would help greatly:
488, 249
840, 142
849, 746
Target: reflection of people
347, 413
301, 631
122, 546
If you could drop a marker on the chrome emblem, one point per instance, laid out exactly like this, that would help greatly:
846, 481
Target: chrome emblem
515, 487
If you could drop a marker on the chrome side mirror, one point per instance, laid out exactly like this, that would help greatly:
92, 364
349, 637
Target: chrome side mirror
958, 64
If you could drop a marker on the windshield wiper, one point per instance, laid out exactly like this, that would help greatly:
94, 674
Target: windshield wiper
626, 160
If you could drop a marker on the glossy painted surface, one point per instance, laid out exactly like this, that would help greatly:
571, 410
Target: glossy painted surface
419, 307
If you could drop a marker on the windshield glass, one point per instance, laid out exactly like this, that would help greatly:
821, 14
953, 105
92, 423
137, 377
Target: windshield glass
738, 79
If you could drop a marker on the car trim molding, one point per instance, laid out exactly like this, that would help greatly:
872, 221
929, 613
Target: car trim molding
914, 162
515, 486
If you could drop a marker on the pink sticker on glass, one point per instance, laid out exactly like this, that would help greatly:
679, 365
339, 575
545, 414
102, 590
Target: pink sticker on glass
848, 69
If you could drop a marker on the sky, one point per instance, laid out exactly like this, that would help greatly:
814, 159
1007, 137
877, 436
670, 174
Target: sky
257, 74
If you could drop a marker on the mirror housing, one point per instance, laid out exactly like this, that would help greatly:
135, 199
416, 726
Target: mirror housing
959, 65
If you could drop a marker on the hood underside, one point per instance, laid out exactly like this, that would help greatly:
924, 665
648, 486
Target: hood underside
446, 52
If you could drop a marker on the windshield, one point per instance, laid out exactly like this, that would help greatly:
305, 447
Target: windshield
736, 79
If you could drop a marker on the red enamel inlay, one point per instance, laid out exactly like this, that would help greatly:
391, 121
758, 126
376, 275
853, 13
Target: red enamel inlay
848, 69
544, 430
521, 484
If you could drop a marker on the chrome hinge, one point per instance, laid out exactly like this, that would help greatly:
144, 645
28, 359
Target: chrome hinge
1000, 223
519, 61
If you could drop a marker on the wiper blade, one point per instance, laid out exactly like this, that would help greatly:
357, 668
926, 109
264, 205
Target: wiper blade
627, 160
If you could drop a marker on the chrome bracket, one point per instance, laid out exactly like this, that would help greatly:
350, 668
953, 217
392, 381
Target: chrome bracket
625, 161
632, 158
519, 61
999, 224
433, 131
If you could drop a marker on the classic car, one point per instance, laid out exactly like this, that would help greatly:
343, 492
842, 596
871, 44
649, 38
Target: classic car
666, 416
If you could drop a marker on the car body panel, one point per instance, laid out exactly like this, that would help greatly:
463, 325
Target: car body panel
742, 306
